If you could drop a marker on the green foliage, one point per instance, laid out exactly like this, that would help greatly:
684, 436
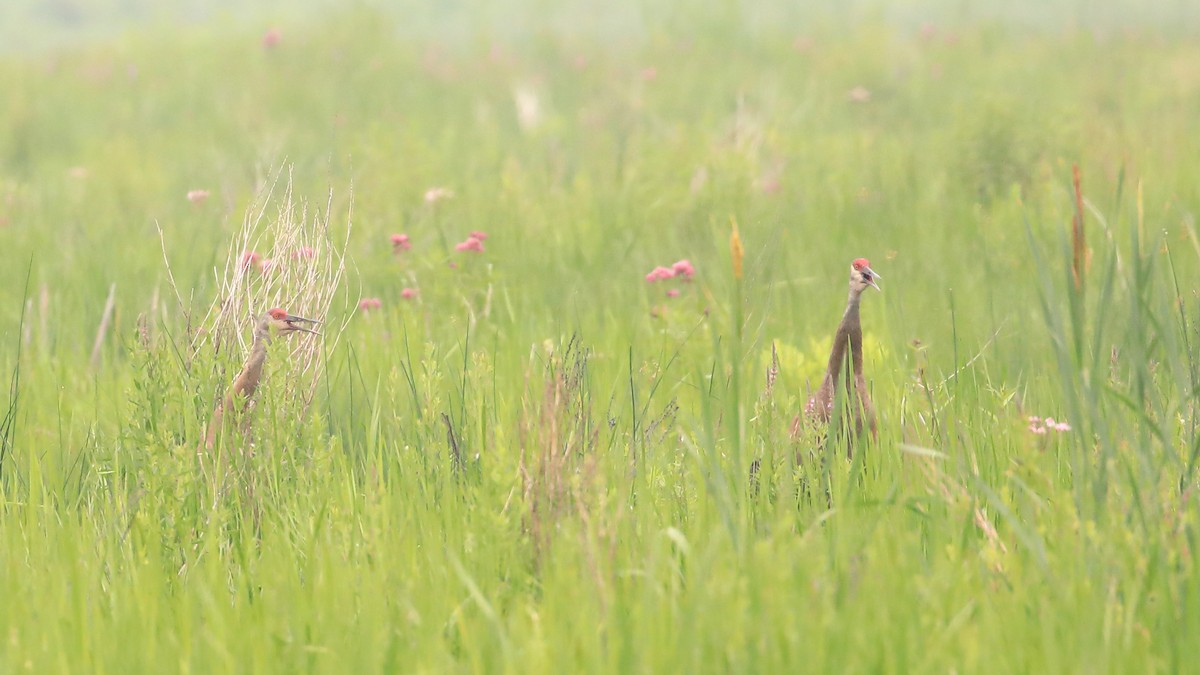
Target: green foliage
540, 462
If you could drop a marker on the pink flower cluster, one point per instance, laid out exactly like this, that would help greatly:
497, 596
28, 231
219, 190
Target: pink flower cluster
682, 270
402, 242
197, 196
1040, 426
659, 273
473, 242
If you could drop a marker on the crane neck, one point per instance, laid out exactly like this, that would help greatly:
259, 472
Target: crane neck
258, 350
851, 323
262, 333
853, 301
848, 336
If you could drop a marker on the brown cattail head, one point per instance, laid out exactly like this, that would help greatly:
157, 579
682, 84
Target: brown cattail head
1078, 248
736, 253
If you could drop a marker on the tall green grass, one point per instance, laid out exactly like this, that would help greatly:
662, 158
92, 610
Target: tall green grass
540, 463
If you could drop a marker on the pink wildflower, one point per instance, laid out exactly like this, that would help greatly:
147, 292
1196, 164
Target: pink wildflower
1039, 425
660, 273
436, 194
271, 38
305, 252
250, 259
684, 269
266, 265
368, 304
498, 54
471, 244
769, 185
673, 293
408, 293
197, 196
478, 234
400, 243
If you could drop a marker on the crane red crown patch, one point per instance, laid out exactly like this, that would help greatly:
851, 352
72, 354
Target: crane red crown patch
278, 314
860, 263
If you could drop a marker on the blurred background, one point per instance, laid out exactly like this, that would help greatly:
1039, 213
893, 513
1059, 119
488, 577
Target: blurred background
40, 24
503, 178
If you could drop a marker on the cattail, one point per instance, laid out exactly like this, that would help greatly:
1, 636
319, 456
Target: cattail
1078, 259
735, 250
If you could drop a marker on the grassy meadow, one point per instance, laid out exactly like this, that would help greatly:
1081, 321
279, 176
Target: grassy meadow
530, 459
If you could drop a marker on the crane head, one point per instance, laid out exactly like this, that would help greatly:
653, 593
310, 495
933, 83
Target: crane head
861, 275
283, 323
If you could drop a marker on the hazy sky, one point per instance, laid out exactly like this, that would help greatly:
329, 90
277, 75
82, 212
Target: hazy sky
39, 24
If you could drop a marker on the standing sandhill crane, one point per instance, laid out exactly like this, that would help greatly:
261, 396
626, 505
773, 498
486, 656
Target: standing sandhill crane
274, 322
849, 333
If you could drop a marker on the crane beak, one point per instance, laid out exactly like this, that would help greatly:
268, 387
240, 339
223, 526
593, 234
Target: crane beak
871, 277
291, 320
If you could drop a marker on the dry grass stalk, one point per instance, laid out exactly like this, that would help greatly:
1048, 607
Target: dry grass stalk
772, 372
299, 268
105, 322
557, 438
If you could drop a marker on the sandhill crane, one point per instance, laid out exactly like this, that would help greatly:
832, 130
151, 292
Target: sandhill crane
819, 410
849, 334
274, 322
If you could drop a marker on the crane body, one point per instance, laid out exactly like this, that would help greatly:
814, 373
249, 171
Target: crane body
819, 410
274, 322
